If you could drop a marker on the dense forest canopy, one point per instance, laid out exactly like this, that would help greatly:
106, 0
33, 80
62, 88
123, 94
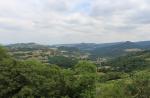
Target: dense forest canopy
123, 77
32, 79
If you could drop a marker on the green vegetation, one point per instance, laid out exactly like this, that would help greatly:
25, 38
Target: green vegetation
65, 77
127, 77
131, 62
135, 86
68, 49
31, 79
62, 61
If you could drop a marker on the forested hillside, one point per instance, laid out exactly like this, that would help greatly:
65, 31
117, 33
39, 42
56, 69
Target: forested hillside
115, 49
125, 77
122, 77
32, 79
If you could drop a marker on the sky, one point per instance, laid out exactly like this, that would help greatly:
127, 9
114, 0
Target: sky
74, 21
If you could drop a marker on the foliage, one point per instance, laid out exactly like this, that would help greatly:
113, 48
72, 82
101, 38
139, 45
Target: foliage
31, 79
62, 61
140, 86
135, 86
128, 63
130, 78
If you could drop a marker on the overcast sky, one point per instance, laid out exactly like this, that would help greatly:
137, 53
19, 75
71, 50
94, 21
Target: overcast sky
74, 21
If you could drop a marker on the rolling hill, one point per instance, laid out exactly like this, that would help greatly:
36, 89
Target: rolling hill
96, 50
114, 50
26, 46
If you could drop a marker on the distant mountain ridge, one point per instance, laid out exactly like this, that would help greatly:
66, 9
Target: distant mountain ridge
110, 49
25, 46
114, 50
104, 49
86, 46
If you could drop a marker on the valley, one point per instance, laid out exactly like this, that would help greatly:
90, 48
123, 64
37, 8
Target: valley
111, 70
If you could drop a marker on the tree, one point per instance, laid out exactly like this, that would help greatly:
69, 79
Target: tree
86, 79
32, 79
140, 86
62, 61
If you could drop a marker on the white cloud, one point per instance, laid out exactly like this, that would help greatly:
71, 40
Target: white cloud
71, 21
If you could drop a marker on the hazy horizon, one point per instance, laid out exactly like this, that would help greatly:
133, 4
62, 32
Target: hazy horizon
74, 21
74, 43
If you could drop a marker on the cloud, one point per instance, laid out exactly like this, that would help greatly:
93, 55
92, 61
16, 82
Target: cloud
72, 21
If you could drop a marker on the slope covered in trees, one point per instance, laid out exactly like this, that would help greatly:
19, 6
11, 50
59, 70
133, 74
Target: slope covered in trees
126, 77
31, 79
